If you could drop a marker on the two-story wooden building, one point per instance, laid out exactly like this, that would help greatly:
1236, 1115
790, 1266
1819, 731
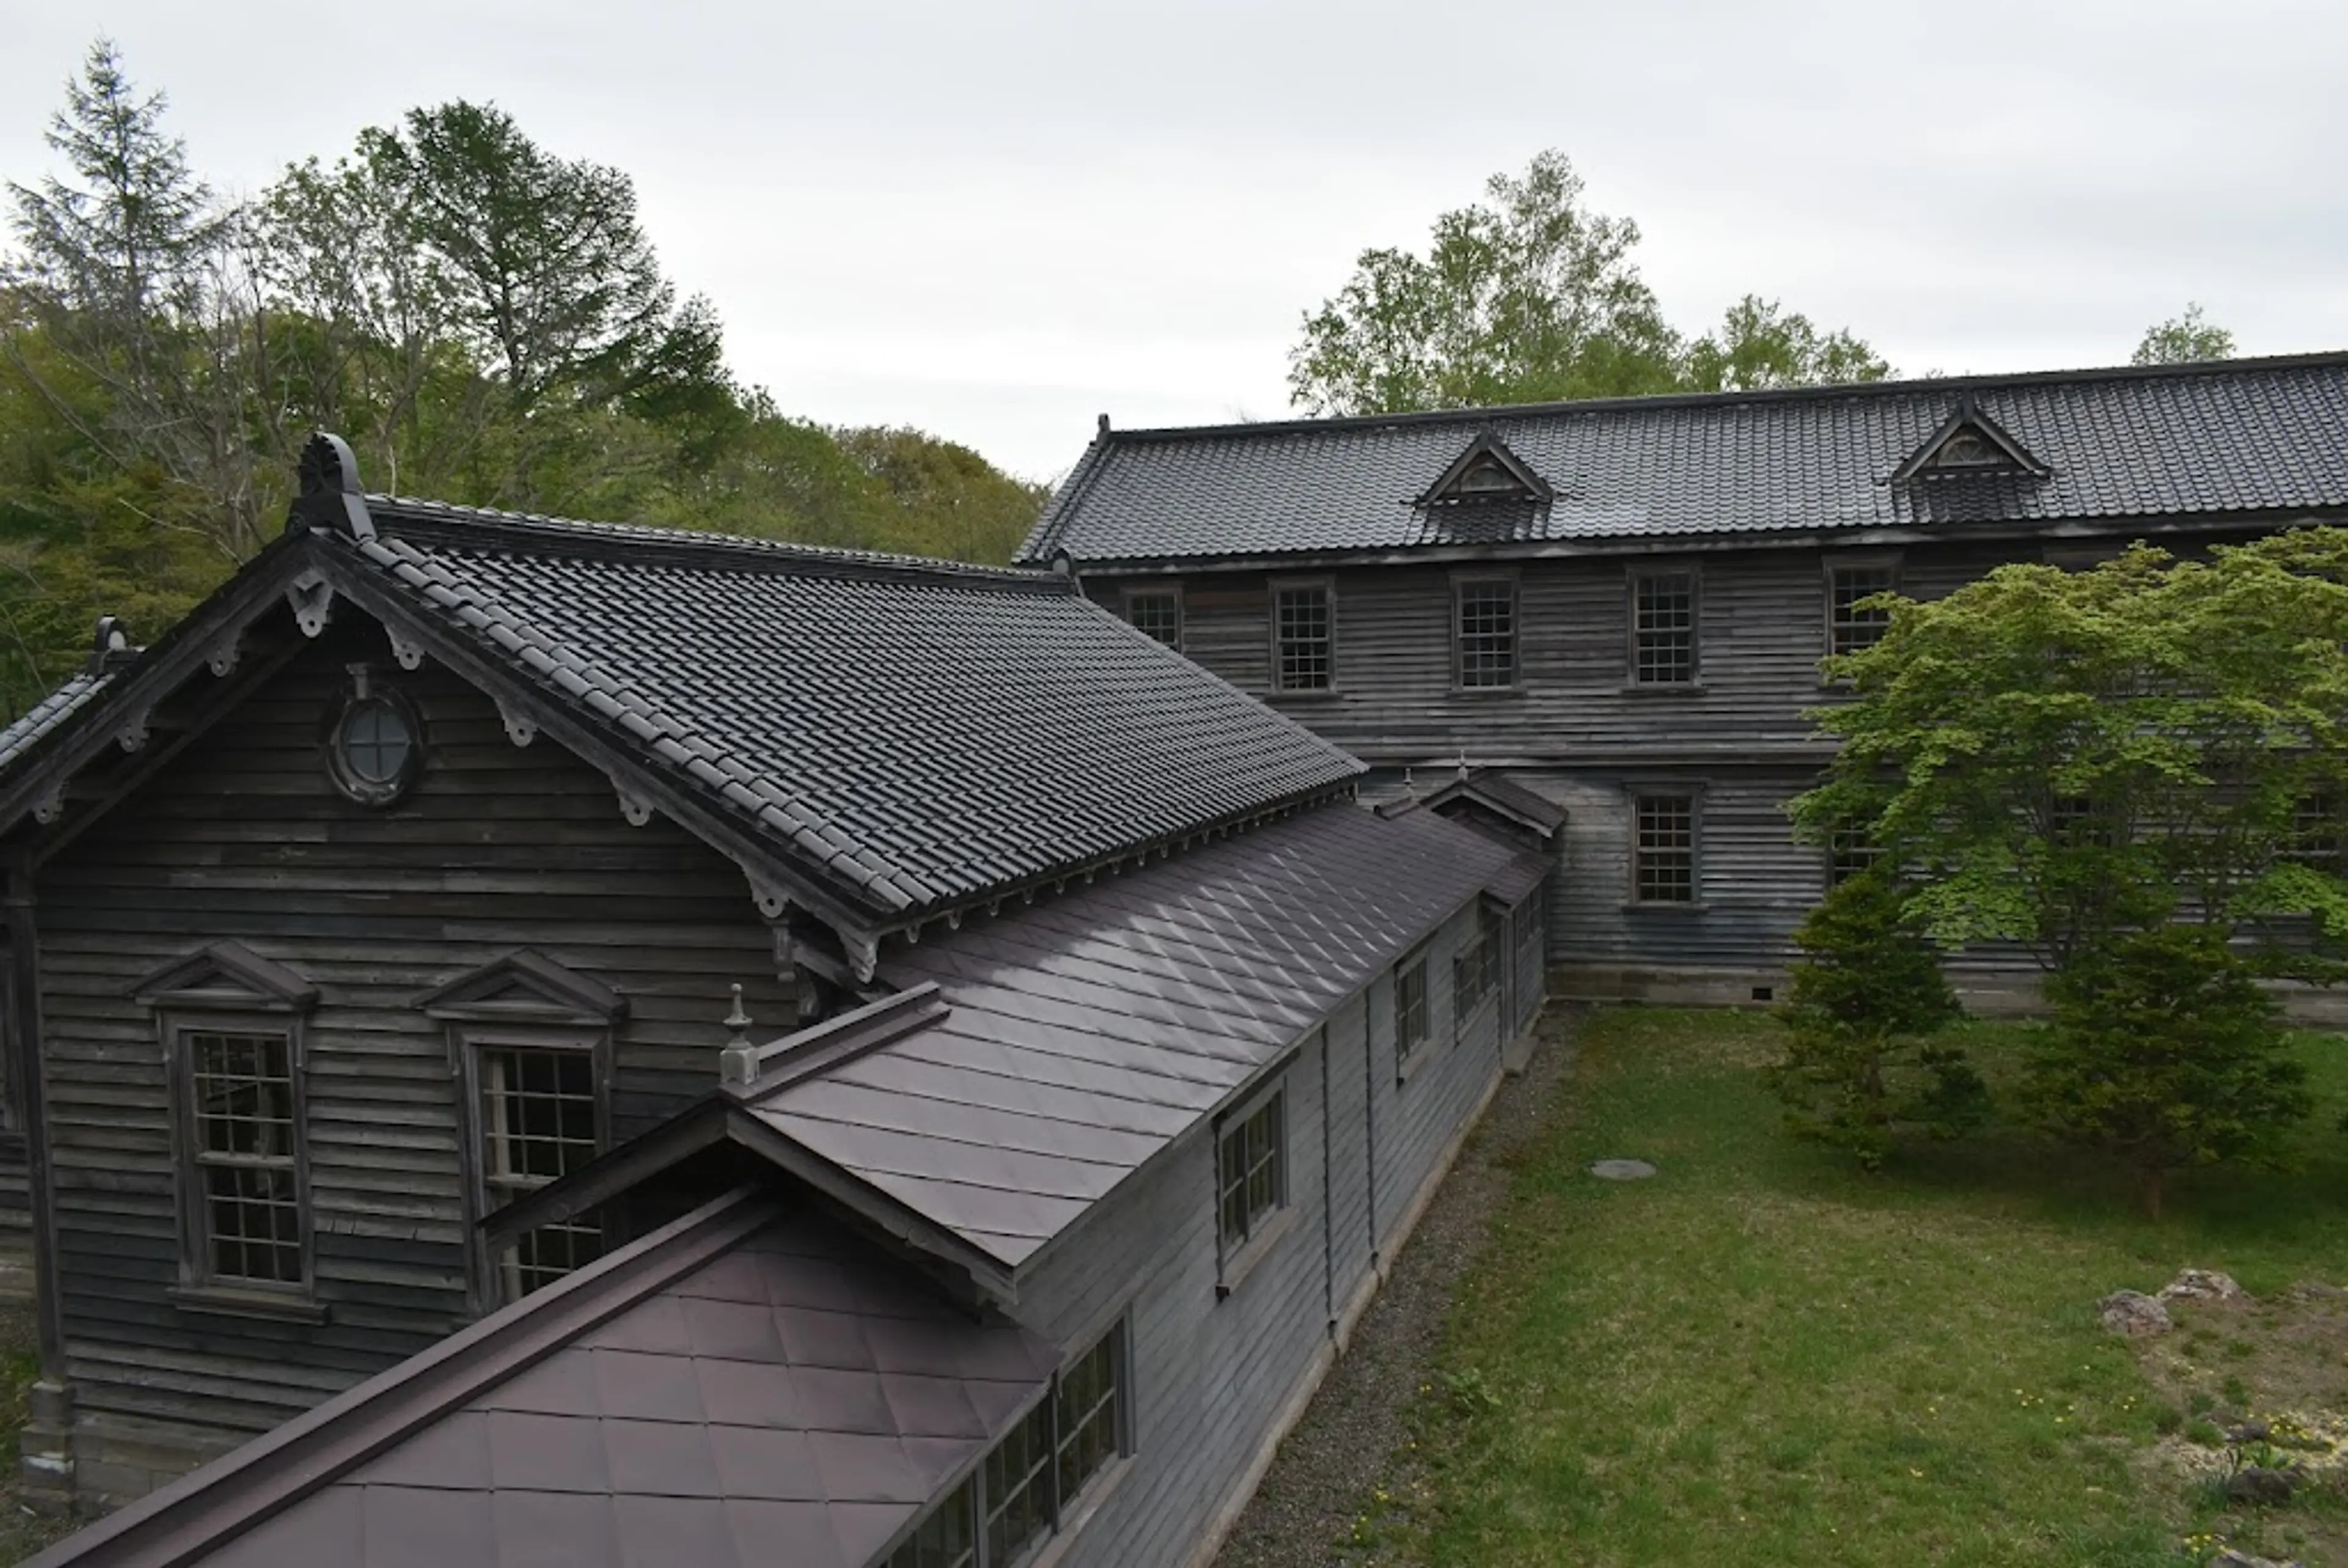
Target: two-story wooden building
1623, 605
383, 946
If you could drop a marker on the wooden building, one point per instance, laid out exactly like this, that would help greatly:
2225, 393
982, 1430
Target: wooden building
385, 944
1621, 606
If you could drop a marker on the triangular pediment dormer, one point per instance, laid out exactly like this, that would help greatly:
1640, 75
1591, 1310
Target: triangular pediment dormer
1487, 472
227, 974
523, 986
1969, 442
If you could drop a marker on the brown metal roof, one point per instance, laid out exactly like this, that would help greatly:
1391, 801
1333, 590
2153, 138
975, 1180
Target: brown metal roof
1086, 1033
753, 1386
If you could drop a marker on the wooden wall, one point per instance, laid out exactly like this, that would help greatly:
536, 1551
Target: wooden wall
1215, 1380
496, 847
1577, 729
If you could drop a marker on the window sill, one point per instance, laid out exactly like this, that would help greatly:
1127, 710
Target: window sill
1419, 1055
1664, 687
1242, 1262
1303, 694
1638, 907
1089, 1502
1513, 688
223, 1301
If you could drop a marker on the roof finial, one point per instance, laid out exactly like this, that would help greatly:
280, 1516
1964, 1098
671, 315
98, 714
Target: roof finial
327, 492
1104, 423
738, 1062
110, 647
1463, 762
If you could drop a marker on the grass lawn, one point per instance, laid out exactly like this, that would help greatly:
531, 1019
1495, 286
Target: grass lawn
1764, 1355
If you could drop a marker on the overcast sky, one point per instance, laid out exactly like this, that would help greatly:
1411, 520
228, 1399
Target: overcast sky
995, 221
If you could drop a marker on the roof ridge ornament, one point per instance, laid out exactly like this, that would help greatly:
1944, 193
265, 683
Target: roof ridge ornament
1969, 442
110, 648
1488, 471
327, 495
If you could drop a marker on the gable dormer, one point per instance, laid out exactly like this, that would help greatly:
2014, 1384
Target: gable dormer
227, 976
523, 986
1969, 442
1487, 472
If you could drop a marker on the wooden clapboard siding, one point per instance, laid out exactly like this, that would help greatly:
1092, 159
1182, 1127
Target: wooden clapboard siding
1215, 1379
1576, 726
243, 836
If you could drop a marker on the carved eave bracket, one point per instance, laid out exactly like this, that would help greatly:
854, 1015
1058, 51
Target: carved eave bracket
632, 807
222, 660
520, 728
772, 901
313, 599
135, 730
51, 805
863, 955
408, 652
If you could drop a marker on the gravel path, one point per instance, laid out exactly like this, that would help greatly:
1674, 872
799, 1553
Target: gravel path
1350, 1439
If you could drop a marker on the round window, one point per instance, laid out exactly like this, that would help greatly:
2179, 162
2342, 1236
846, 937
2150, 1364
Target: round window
375, 750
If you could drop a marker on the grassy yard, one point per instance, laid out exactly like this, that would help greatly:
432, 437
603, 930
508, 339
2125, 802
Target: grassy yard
1765, 1357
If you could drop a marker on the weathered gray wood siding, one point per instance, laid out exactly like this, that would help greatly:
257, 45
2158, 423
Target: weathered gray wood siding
242, 835
1576, 727
1213, 1378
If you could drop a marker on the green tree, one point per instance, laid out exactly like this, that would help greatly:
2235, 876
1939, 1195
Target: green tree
1533, 297
2062, 757
2165, 1052
1760, 345
1868, 995
2183, 340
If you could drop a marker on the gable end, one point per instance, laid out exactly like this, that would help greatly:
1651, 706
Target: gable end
523, 986
1969, 442
227, 974
1487, 472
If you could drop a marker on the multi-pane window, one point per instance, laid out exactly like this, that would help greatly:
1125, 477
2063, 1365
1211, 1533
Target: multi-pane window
1662, 627
1018, 1480
1249, 1180
1088, 1409
1850, 851
1303, 639
2081, 822
1476, 967
1022, 1491
1487, 633
1411, 1029
2315, 839
1159, 613
1664, 851
537, 1123
1850, 626
245, 1137
948, 1538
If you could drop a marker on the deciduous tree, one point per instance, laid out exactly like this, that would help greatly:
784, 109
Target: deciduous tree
2182, 340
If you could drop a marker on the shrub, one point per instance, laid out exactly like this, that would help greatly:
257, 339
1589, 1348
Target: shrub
1865, 996
2165, 1052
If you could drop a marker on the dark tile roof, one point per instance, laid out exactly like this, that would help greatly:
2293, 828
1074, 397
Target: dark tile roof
2251, 435
783, 1397
46, 716
928, 734
1086, 1033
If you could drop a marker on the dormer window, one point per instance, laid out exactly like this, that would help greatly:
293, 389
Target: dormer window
1486, 473
1968, 443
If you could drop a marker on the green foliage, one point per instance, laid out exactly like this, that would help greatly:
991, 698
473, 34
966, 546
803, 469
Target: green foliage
2183, 340
1531, 298
484, 320
2062, 757
1867, 993
2165, 1052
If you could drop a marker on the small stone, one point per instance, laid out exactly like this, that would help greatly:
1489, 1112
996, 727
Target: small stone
2134, 1314
2230, 1558
2203, 1284
2250, 1432
1621, 1170
2255, 1483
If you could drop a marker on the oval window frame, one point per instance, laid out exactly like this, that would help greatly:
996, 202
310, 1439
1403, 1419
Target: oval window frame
365, 791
